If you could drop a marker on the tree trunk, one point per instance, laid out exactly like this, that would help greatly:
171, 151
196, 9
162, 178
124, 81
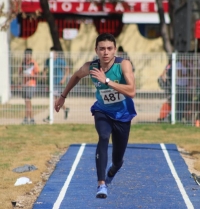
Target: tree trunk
163, 28
51, 22
171, 15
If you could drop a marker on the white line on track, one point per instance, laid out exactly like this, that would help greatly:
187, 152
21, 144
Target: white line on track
66, 184
175, 175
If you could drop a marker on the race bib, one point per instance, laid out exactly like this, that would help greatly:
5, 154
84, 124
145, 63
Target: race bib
29, 70
110, 96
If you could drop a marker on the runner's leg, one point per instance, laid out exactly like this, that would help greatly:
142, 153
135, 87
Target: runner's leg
120, 136
103, 127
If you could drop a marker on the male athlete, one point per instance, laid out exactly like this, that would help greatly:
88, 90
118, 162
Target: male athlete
114, 109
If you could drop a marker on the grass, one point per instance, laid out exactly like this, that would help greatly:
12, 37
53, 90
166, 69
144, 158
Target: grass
35, 145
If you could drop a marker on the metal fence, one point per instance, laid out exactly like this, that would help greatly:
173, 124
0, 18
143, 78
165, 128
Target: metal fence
173, 97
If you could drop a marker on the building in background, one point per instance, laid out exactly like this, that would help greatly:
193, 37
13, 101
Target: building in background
134, 23
107, 17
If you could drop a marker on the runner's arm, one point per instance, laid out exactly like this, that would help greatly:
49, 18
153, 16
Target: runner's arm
127, 89
76, 77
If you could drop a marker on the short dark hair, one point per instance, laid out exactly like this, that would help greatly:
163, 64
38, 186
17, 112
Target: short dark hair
120, 49
28, 51
104, 37
53, 48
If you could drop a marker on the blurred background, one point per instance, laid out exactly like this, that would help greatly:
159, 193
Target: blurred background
160, 38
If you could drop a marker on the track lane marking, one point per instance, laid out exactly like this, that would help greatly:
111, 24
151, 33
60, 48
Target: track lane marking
177, 179
67, 182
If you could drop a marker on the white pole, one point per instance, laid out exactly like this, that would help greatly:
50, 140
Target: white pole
4, 57
51, 100
173, 96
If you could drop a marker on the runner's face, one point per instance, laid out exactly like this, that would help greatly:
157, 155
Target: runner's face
28, 57
106, 51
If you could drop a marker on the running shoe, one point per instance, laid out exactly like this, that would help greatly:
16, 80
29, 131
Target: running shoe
109, 176
32, 122
102, 191
66, 112
25, 121
46, 119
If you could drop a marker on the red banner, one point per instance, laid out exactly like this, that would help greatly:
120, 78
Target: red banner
197, 29
64, 6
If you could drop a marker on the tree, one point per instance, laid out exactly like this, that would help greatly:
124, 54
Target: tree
52, 25
15, 9
171, 15
163, 28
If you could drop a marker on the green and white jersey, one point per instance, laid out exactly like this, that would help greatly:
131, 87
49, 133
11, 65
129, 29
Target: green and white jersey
109, 101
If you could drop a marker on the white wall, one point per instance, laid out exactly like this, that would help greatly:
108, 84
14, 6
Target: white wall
4, 57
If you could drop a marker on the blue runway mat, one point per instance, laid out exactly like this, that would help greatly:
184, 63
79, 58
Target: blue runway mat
153, 176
